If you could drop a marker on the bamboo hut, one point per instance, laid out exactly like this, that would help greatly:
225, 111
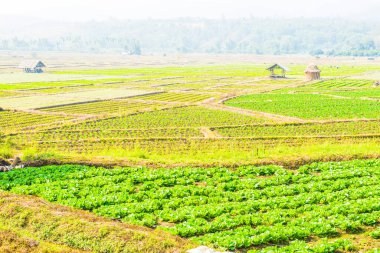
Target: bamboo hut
32, 66
274, 71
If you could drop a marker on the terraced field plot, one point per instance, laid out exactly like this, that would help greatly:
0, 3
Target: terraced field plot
15, 78
177, 97
331, 85
372, 93
11, 122
358, 128
192, 116
333, 71
57, 135
56, 84
7, 94
342, 83
108, 108
190, 127
41, 101
179, 148
278, 81
221, 133
248, 208
246, 70
309, 106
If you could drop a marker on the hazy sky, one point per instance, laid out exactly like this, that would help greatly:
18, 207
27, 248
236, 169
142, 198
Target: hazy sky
80, 10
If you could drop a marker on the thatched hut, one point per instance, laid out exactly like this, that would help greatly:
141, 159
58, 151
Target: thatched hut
32, 66
274, 71
312, 72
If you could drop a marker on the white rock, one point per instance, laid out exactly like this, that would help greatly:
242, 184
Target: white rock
203, 249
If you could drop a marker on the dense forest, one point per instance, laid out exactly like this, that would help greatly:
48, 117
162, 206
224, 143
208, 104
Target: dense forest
315, 36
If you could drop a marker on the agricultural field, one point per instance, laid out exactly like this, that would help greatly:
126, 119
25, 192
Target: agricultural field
7, 94
316, 207
12, 121
49, 100
14, 78
107, 108
188, 116
370, 93
177, 97
31, 86
215, 155
303, 130
309, 106
204, 115
336, 84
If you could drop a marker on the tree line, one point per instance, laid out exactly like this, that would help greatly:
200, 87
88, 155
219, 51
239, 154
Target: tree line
315, 36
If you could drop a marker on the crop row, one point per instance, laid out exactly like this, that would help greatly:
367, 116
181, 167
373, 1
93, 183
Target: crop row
7, 94
110, 107
309, 106
323, 246
277, 81
174, 117
342, 83
373, 93
13, 121
55, 84
297, 130
98, 134
177, 97
252, 147
264, 134
230, 208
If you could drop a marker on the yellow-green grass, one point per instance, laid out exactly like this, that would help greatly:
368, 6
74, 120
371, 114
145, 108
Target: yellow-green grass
11, 241
29, 224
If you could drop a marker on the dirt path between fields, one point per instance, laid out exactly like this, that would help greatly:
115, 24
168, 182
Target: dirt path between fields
209, 134
275, 117
219, 105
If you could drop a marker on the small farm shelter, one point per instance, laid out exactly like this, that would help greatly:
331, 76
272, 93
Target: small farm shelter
32, 66
274, 71
312, 72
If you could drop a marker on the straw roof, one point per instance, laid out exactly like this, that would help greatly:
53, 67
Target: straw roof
312, 68
31, 64
278, 66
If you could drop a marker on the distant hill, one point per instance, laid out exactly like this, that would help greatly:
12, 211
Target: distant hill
315, 36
